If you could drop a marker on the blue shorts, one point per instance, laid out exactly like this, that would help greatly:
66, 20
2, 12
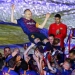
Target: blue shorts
35, 35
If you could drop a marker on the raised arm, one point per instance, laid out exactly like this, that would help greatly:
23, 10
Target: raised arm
26, 51
45, 21
12, 14
14, 53
49, 66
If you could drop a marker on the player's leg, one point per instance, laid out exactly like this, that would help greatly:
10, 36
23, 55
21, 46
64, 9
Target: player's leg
39, 39
45, 41
34, 39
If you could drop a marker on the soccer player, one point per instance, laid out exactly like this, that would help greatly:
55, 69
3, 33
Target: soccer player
58, 29
25, 71
7, 52
10, 69
30, 27
72, 57
27, 64
51, 38
66, 68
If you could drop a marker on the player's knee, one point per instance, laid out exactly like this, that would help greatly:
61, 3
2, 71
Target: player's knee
36, 40
45, 41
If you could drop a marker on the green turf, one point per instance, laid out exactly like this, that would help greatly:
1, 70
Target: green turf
11, 35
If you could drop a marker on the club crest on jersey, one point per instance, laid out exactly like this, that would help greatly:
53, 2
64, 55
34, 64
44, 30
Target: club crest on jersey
61, 28
33, 36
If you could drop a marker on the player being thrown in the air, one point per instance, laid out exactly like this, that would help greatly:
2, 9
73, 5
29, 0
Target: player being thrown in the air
30, 27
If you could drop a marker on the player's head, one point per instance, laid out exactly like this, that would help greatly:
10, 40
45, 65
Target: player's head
72, 54
27, 14
24, 65
36, 51
12, 63
39, 49
52, 64
67, 64
57, 18
18, 58
51, 38
7, 51
25, 46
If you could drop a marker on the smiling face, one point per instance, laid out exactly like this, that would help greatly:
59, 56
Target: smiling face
28, 14
71, 56
51, 39
57, 20
66, 65
7, 51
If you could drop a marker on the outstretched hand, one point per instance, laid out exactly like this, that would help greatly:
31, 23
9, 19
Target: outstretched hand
13, 6
47, 15
16, 51
32, 44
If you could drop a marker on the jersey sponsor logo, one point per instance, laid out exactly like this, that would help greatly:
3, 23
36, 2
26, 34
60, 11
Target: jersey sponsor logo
31, 23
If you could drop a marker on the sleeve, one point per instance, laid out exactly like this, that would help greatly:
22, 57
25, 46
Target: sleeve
8, 58
19, 21
63, 33
37, 24
23, 26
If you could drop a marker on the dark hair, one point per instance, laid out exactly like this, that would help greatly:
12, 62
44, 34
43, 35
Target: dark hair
52, 63
26, 10
39, 48
30, 64
68, 60
51, 35
24, 65
11, 63
58, 15
72, 51
6, 47
56, 41
1, 63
